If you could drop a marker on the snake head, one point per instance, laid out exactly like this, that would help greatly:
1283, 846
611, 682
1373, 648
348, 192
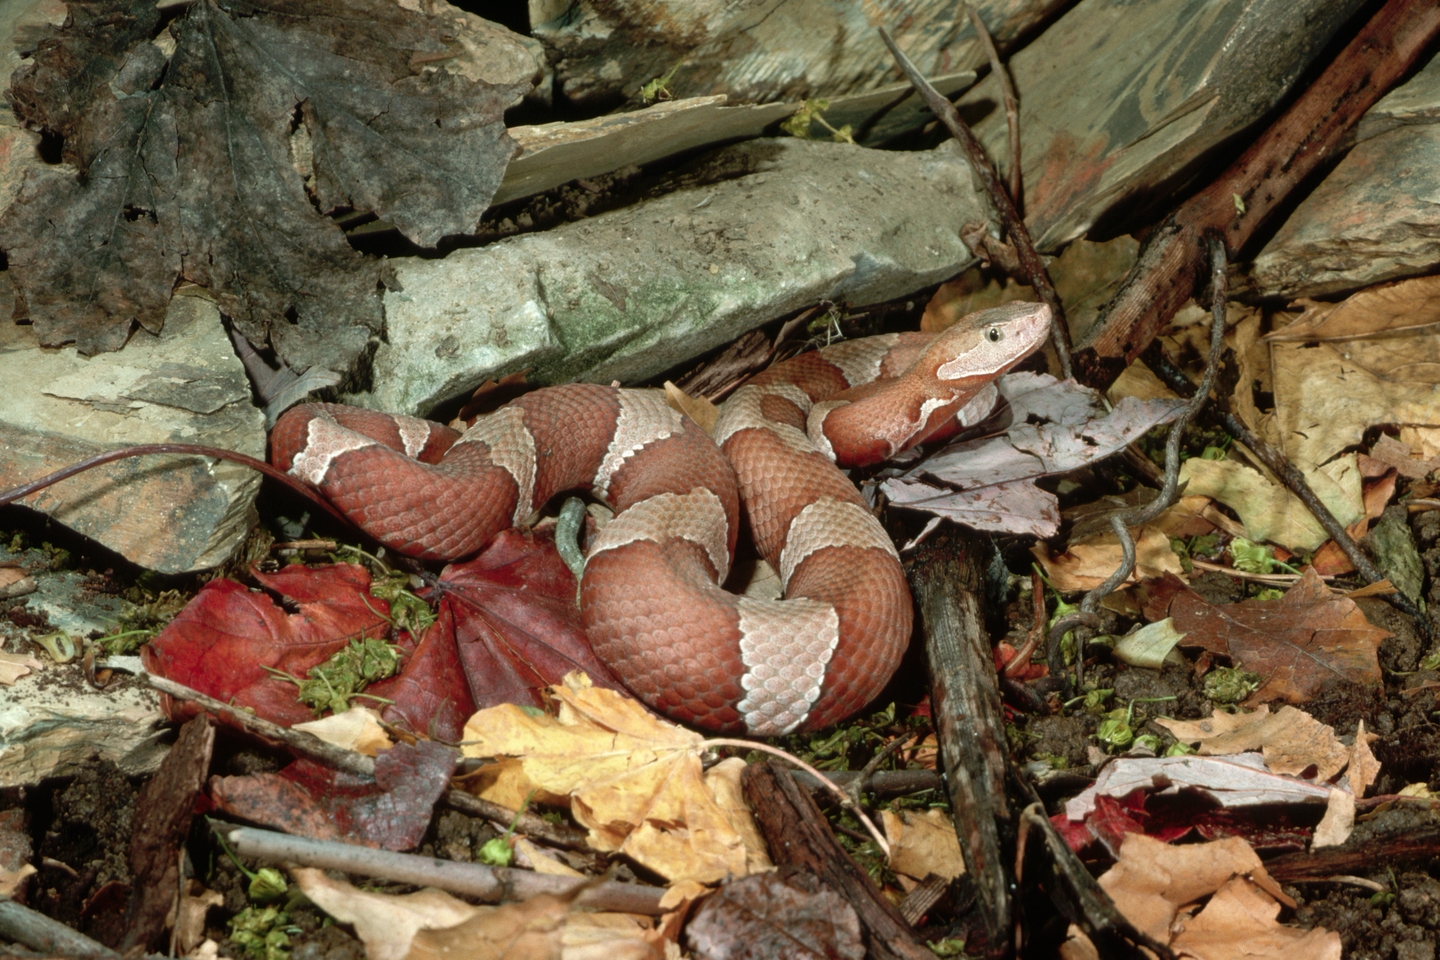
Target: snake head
983, 345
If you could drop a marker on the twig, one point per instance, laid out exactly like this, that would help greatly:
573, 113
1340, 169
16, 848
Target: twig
1278, 579
1021, 660
1296, 483
474, 879
1014, 227
1121, 523
51, 937
855, 787
308, 745
1012, 109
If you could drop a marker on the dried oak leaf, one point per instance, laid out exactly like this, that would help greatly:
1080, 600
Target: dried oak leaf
202, 164
634, 780
1291, 740
1300, 643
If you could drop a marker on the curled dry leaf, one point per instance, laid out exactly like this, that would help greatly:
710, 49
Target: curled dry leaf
1291, 740
356, 729
1086, 564
633, 780
1240, 921
13, 666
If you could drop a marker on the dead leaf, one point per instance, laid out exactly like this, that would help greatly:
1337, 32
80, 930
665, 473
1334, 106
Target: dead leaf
1328, 394
184, 166
1393, 453
1385, 309
633, 779
923, 843
190, 918
1088, 563
1152, 880
1270, 512
770, 916
986, 483
15, 582
1363, 768
1330, 560
535, 858
1300, 643
699, 409
1239, 921
13, 666
1239, 781
1339, 820
13, 881
385, 923
357, 729
1291, 740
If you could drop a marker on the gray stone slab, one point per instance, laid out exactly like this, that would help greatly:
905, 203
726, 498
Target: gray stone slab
1375, 217
171, 514
631, 293
762, 50
1119, 99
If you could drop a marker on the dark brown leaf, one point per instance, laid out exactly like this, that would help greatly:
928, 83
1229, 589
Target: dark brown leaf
764, 916
187, 167
1299, 644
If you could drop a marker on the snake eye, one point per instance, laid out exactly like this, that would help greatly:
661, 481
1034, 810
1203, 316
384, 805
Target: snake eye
994, 335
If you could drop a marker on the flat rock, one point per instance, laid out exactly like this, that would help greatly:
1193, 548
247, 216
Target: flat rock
631, 293
1119, 99
52, 723
555, 153
1375, 217
604, 51
172, 514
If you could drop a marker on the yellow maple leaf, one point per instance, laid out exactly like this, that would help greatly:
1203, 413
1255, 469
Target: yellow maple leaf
634, 781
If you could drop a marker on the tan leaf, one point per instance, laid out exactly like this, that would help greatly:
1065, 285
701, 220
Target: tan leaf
541, 861
357, 729
1339, 821
1087, 564
1393, 453
723, 779
12, 880
1270, 512
1364, 768
1151, 880
634, 780
699, 409
190, 918
923, 843
1290, 740
13, 666
1239, 921
1138, 380
1386, 309
385, 923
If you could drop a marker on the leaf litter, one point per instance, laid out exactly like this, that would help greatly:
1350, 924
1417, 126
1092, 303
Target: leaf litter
184, 165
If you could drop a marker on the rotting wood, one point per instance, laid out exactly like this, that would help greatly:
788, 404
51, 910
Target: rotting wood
799, 836
1240, 201
163, 812
947, 577
1414, 846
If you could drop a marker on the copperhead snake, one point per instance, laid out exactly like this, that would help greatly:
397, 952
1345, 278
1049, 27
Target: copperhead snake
651, 600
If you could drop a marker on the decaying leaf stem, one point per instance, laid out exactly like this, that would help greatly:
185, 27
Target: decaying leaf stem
1030, 261
1087, 615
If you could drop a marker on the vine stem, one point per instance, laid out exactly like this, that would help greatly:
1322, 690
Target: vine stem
825, 782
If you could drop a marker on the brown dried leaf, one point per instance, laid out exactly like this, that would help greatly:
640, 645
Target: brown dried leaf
766, 916
697, 408
1385, 309
1364, 768
13, 666
1290, 740
1152, 879
1088, 563
1300, 643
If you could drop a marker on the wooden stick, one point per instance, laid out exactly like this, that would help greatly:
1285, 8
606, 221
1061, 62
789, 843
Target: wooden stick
51, 937
947, 578
1238, 203
491, 884
1030, 262
798, 836
1012, 106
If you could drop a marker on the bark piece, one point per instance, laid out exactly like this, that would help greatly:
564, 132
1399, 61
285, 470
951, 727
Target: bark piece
799, 837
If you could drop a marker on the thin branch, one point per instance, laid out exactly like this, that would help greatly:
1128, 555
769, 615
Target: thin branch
1012, 108
1014, 227
492, 884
